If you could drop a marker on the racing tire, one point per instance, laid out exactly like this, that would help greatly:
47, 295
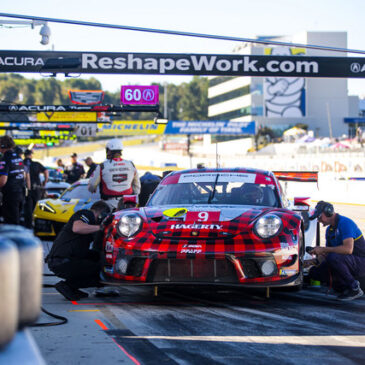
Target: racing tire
30, 274
9, 290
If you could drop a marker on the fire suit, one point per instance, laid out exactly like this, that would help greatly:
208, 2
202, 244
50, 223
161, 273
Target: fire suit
116, 177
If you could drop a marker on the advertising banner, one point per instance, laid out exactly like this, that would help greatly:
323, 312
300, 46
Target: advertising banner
181, 64
129, 128
66, 117
223, 127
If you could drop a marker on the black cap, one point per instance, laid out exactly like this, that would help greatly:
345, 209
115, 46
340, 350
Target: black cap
74, 154
321, 207
28, 152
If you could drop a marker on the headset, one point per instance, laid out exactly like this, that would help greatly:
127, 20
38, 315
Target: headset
326, 208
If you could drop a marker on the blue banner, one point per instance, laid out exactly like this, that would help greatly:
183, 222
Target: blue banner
209, 127
354, 120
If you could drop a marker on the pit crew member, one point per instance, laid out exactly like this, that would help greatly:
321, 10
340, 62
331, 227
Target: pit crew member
116, 176
71, 257
343, 258
12, 181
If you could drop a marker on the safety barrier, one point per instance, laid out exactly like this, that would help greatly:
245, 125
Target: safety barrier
21, 279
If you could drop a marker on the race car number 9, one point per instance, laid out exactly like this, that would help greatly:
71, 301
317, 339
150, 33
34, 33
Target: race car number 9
203, 216
137, 94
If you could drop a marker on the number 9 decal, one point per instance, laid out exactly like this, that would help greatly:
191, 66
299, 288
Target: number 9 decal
203, 216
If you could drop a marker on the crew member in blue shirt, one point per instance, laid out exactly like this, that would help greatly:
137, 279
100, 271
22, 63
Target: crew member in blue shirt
342, 261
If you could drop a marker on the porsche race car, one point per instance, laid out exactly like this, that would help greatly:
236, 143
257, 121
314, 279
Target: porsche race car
230, 226
50, 215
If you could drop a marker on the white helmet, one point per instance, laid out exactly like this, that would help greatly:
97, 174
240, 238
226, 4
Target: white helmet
114, 145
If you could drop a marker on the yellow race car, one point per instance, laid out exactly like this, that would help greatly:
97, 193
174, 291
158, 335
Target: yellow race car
50, 215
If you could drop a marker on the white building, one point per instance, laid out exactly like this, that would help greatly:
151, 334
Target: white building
280, 103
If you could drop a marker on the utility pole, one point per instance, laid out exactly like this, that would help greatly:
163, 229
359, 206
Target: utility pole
329, 120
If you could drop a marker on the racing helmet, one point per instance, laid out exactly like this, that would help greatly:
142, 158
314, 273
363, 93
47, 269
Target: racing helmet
114, 145
252, 194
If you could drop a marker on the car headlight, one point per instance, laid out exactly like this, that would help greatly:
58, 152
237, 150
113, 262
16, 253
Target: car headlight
46, 208
129, 224
268, 225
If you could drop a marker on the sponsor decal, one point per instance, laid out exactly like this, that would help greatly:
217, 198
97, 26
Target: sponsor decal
287, 272
174, 212
36, 108
191, 248
223, 177
120, 178
196, 226
21, 61
108, 247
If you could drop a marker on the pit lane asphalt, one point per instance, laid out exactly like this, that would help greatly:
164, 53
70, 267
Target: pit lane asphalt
200, 325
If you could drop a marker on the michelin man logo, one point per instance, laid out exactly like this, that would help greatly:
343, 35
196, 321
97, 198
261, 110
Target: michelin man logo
284, 96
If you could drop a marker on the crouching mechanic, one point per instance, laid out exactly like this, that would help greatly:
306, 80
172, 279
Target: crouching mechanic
71, 257
342, 261
115, 176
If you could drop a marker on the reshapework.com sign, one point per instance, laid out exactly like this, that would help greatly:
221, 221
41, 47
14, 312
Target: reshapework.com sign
181, 64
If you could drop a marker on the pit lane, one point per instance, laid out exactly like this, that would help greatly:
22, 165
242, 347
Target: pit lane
201, 325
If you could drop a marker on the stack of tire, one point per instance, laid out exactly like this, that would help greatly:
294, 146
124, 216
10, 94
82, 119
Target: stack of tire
21, 257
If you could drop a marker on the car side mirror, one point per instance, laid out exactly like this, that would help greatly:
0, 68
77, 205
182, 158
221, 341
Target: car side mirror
301, 204
53, 195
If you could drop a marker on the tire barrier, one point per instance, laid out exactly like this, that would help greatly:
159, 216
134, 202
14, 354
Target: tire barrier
30, 269
9, 290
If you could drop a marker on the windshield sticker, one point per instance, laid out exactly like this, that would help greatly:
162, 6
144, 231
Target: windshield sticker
223, 177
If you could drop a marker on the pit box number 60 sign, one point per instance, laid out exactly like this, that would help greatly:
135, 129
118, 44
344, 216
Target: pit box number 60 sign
139, 95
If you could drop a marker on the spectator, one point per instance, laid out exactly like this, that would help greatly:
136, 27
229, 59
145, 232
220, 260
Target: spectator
75, 171
35, 192
149, 183
92, 166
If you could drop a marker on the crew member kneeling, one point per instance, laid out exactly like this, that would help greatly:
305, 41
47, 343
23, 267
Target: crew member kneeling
116, 176
342, 262
71, 257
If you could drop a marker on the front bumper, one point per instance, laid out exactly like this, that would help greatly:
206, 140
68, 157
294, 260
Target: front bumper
245, 269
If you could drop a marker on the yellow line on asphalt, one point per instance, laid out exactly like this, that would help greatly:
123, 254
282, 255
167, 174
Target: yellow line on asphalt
343, 203
84, 310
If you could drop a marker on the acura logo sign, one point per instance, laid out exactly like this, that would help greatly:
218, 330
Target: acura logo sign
355, 67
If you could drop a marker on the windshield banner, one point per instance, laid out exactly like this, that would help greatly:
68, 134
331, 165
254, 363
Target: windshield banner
181, 64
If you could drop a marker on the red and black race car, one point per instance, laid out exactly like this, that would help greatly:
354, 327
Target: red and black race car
227, 226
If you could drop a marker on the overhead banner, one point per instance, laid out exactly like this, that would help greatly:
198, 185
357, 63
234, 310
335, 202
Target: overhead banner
181, 64
129, 128
66, 117
210, 127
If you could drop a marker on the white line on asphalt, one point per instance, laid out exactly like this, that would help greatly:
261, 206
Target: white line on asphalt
341, 341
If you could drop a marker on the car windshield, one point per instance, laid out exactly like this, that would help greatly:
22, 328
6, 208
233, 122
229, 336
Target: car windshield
213, 190
80, 192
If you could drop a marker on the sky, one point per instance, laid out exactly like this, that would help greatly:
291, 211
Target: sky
237, 18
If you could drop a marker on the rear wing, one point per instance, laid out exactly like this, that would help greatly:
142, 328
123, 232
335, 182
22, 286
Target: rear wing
301, 176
